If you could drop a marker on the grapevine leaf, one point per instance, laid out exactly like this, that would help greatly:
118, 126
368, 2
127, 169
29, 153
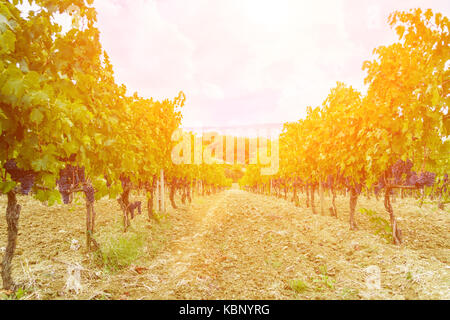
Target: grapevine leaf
36, 116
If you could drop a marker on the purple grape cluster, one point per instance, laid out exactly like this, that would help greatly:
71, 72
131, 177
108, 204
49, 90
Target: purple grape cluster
444, 187
70, 177
89, 192
426, 179
26, 178
79, 175
27, 183
379, 186
401, 168
64, 184
412, 179
419, 181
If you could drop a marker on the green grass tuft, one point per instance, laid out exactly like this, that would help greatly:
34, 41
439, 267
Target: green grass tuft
298, 285
121, 251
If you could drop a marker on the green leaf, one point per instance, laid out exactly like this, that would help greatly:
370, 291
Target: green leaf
3, 23
53, 196
71, 147
49, 180
13, 87
24, 66
436, 98
7, 186
7, 42
36, 116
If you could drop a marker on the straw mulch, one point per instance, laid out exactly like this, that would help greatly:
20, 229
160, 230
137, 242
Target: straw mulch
236, 245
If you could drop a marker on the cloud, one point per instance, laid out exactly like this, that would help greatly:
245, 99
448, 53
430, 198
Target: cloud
244, 61
149, 54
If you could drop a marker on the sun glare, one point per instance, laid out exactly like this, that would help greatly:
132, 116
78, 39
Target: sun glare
224, 150
266, 12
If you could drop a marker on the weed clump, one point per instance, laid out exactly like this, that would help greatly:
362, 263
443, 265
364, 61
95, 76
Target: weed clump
119, 252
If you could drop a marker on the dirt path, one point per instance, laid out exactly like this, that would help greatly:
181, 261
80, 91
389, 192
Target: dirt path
238, 245
181, 267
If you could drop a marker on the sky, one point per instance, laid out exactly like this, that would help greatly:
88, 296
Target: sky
243, 62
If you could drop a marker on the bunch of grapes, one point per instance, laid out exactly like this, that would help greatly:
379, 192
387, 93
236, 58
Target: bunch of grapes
419, 181
24, 177
445, 182
70, 177
412, 179
426, 179
444, 187
65, 183
11, 167
89, 192
79, 175
408, 166
26, 183
379, 186
401, 168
